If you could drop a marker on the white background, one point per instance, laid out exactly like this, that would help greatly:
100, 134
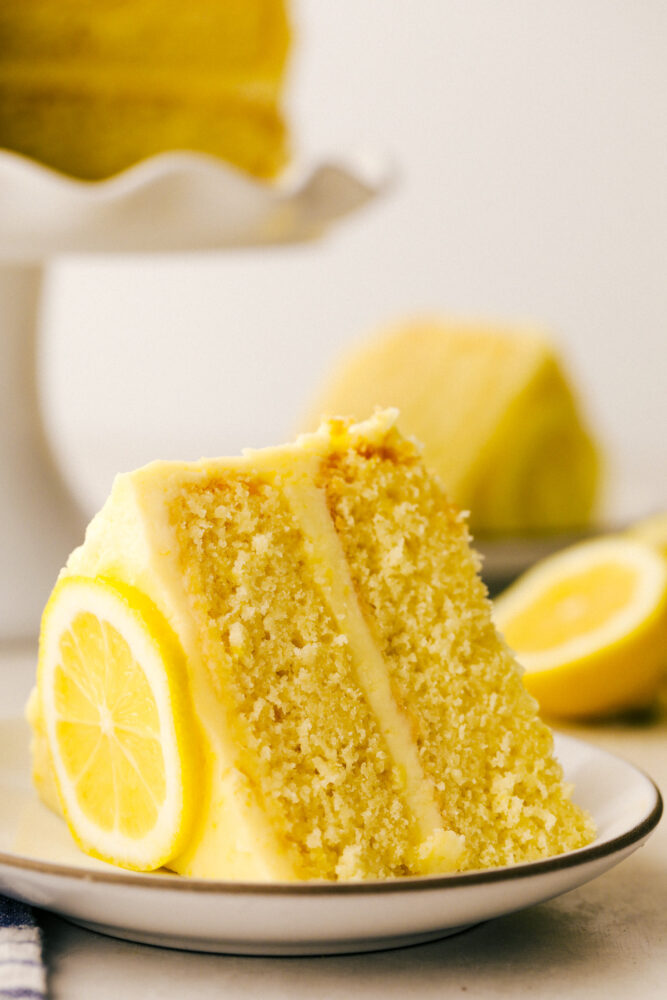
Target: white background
531, 144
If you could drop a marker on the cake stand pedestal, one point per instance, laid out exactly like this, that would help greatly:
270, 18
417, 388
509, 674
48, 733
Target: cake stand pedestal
171, 203
39, 520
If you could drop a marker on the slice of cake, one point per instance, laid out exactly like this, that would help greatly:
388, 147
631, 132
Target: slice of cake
358, 714
494, 410
90, 88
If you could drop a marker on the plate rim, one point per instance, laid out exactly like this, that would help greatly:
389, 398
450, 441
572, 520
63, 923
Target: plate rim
182, 883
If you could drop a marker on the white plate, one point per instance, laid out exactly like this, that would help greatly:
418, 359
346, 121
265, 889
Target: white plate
40, 864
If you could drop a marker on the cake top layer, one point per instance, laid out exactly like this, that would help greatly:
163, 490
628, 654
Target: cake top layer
113, 538
232, 39
335, 434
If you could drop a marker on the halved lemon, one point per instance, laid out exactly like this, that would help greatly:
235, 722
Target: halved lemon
121, 736
589, 626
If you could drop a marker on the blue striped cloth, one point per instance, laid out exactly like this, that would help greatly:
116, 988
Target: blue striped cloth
22, 975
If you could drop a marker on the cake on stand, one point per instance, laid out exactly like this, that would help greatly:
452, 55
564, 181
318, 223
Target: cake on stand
173, 202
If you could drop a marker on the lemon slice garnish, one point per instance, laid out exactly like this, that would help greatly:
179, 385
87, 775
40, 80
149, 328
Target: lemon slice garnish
115, 705
589, 626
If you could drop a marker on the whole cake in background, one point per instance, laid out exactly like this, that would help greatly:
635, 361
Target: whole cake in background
495, 412
345, 707
90, 87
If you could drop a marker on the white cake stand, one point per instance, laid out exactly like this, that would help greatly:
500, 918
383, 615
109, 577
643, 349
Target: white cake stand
172, 202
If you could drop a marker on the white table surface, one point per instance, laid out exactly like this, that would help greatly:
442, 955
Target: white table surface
607, 940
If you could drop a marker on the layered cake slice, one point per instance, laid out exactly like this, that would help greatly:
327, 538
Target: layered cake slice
355, 712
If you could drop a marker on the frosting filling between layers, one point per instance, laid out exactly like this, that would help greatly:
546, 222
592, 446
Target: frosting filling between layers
304, 737
439, 849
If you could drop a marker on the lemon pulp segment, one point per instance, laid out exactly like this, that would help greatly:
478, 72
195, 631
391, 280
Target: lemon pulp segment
575, 606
